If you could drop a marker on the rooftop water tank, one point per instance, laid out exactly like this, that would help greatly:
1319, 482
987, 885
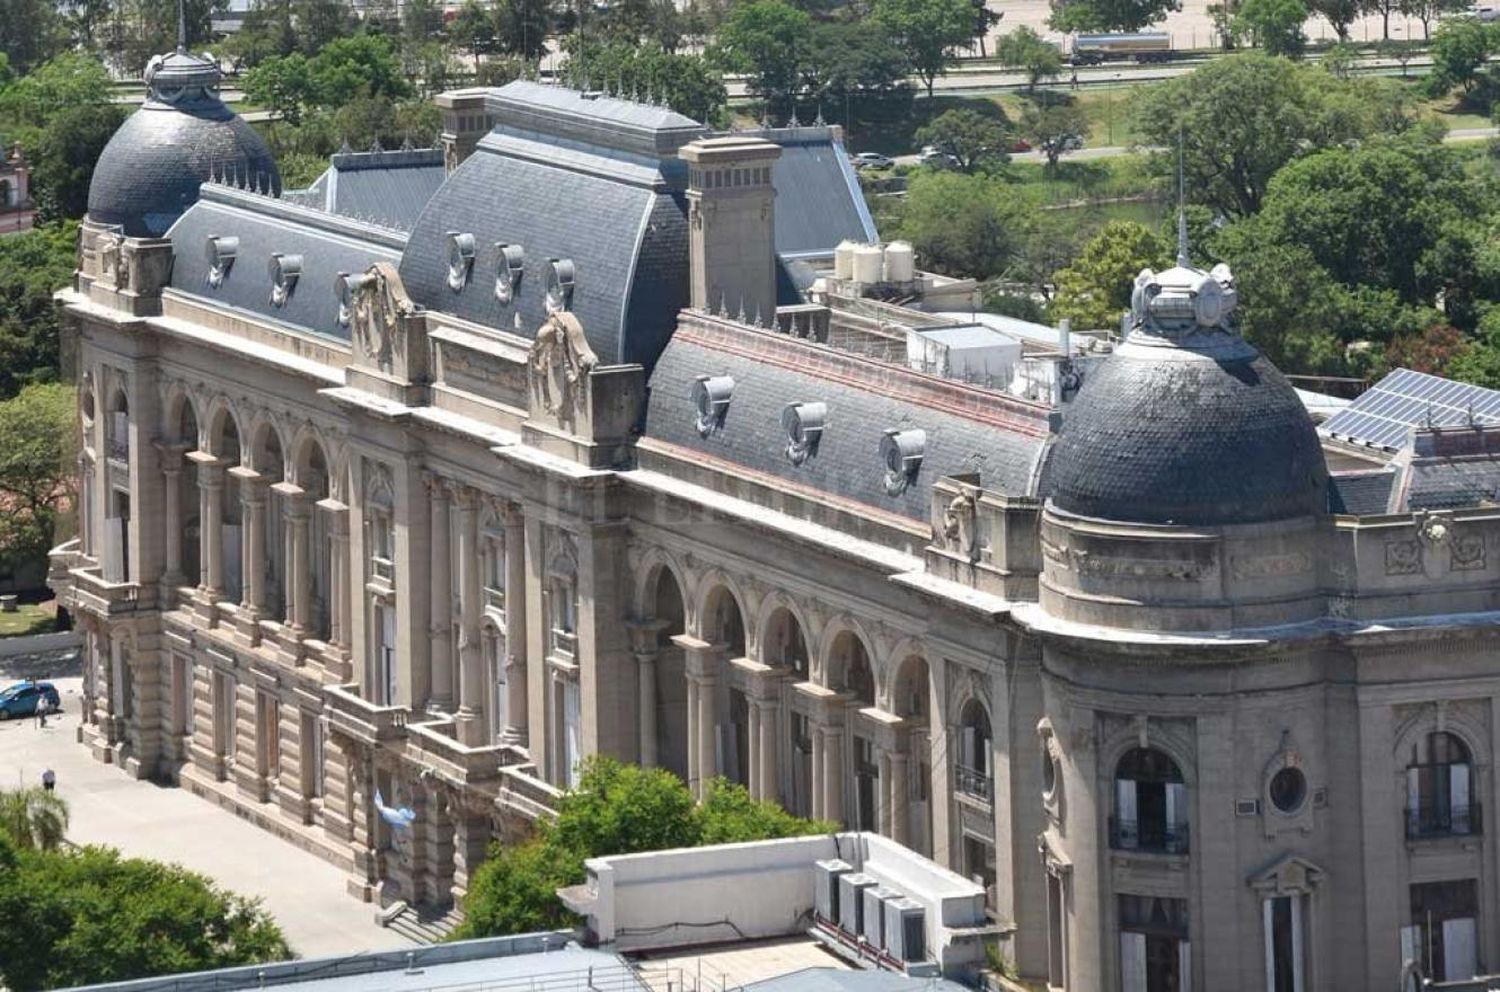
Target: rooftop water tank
843, 260
869, 264
900, 262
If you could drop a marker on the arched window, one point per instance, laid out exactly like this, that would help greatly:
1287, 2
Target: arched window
972, 774
1150, 804
1440, 788
784, 645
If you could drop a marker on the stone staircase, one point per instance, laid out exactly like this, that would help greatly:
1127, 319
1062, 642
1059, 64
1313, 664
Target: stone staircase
420, 926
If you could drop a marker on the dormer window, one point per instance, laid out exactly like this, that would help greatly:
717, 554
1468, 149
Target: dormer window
285, 271
460, 259
221, 255
803, 424
902, 453
509, 264
560, 280
711, 396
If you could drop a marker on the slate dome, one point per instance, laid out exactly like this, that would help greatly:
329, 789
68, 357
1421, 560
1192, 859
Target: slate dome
183, 135
1186, 423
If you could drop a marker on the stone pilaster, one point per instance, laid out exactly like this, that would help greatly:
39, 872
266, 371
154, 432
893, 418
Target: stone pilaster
516, 667
470, 656
441, 613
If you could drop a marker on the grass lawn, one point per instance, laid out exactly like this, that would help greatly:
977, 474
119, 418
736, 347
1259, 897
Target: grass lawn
29, 618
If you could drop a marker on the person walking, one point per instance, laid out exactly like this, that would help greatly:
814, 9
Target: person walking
49, 779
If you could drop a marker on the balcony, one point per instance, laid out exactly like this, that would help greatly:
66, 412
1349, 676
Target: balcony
1433, 820
973, 783
360, 719
1150, 836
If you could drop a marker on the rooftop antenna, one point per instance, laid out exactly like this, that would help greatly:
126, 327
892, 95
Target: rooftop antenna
181, 27
1182, 241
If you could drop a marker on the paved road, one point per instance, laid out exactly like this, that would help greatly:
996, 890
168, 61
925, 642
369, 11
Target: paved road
304, 893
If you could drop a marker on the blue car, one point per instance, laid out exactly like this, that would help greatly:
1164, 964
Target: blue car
26, 698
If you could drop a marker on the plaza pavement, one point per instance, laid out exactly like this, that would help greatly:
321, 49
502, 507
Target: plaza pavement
305, 894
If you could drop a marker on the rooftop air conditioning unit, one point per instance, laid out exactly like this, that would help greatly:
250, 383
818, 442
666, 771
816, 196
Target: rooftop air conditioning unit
905, 934
873, 929
852, 888
826, 888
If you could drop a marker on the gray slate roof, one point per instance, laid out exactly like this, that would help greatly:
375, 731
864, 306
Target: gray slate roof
1362, 494
593, 181
1442, 484
388, 188
841, 980
328, 245
818, 199
848, 462
1199, 433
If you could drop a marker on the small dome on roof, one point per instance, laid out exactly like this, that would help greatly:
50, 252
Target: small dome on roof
150, 171
1186, 423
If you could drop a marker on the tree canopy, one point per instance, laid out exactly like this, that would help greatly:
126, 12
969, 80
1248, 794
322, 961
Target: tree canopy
1028, 51
1107, 15
927, 31
90, 916
973, 139
615, 809
1095, 289
38, 470
964, 225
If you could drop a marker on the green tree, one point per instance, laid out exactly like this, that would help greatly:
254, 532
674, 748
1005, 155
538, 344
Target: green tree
1095, 289
266, 32
852, 69
282, 84
91, 916
1054, 130
1339, 13
1107, 15
927, 31
474, 30
1275, 25
320, 23
64, 155
38, 464
32, 266
615, 809
686, 83
765, 39
33, 818
522, 27
1240, 118
1459, 50
30, 32
972, 138
1428, 11
962, 225
1026, 50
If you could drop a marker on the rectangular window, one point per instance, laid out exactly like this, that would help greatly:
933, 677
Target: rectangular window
1444, 928
572, 731
1155, 955
1282, 919
1057, 934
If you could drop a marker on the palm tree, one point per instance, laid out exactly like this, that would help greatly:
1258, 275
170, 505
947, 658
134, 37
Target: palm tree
33, 818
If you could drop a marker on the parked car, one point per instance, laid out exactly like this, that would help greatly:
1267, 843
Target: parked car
1020, 145
872, 160
935, 157
25, 698
1072, 143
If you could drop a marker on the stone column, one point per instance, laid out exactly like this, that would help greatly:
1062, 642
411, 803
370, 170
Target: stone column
770, 786
299, 602
752, 750
440, 614
211, 527
644, 635
692, 733
338, 573
900, 809
439, 837
470, 657
815, 786
516, 680
833, 774
253, 501
171, 473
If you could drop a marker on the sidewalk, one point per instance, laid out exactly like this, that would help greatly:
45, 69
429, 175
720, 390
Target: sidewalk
305, 894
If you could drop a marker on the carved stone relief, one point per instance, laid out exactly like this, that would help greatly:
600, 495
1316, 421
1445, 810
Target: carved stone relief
560, 362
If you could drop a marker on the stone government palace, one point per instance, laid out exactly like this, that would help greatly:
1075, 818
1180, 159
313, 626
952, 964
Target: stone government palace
596, 431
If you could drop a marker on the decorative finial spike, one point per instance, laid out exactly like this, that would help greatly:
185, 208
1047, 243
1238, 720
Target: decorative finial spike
723, 307
758, 322
741, 315
182, 27
1182, 238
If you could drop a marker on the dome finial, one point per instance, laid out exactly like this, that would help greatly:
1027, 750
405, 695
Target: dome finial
182, 27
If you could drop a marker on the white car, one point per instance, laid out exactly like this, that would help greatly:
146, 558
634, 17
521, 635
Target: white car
872, 160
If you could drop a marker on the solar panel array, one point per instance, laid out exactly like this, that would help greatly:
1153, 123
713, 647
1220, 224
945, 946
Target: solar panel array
1383, 416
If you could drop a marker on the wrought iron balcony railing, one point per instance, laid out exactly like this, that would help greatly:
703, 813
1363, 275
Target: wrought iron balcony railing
1154, 836
1443, 820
